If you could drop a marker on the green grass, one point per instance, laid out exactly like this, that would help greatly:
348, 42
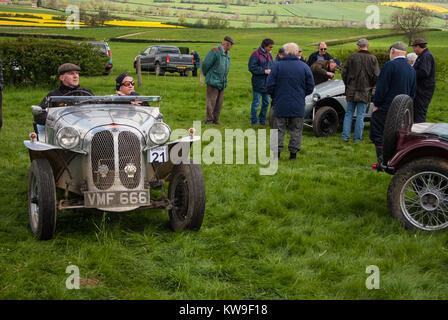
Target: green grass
307, 232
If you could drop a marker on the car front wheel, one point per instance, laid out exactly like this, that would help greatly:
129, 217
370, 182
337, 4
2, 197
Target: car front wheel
418, 194
42, 199
187, 194
325, 122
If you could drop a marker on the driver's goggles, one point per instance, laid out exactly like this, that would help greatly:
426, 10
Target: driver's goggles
128, 83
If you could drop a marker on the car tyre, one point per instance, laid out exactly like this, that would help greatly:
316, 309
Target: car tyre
159, 71
187, 193
42, 199
399, 116
325, 122
418, 194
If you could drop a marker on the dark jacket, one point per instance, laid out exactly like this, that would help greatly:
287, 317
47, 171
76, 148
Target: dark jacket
313, 57
259, 61
425, 70
360, 72
197, 60
396, 77
215, 67
60, 91
319, 70
289, 82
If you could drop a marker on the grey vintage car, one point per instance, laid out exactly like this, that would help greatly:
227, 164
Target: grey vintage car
109, 153
325, 108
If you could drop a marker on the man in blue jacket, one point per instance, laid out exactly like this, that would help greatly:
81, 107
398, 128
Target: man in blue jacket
260, 63
289, 82
396, 77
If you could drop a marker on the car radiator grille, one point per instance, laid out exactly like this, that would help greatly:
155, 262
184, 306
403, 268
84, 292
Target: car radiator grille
106, 169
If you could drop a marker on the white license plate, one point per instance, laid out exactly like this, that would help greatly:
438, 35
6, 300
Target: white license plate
103, 199
158, 154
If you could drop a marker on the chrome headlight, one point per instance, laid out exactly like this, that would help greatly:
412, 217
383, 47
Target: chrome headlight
159, 133
68, 138
316, 97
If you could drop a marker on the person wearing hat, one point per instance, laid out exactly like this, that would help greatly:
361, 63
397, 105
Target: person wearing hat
396, 77
124, 84
69, 77
260, 64
425, 69
360, 72
323, 70
215, 67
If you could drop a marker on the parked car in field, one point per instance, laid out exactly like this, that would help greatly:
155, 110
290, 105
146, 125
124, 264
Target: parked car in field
325, 108
103, 49
104, 152
162, 58
417, 156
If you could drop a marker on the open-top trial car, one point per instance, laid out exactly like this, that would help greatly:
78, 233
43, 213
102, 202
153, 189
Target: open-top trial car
325, 108
108, 153
417, 156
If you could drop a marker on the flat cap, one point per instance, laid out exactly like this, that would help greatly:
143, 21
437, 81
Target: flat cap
399, 46
337, 61
419, 41
229, 39
66, 67
363, 42
281, 50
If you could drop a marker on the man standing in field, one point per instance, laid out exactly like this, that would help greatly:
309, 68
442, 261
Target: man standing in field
359, 74
425, 69
320, 54
289, 82
69, 77
260, 64
197, 62
396, 77
215, 67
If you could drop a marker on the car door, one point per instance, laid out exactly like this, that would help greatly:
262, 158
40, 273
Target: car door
144, 59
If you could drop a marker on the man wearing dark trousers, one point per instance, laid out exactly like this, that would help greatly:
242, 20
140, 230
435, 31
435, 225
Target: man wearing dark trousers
425, 69
396, 77
289, 82
215, 67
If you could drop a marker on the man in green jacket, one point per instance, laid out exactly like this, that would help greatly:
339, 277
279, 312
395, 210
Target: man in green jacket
216, 67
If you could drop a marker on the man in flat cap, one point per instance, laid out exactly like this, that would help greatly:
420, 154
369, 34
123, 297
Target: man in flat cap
69, 77
425, 69
396, 77
360, 72
215, 67
323, 70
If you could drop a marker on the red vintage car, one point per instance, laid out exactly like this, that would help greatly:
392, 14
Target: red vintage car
417, 156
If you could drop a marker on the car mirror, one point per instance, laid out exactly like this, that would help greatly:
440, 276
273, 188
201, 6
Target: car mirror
36, 110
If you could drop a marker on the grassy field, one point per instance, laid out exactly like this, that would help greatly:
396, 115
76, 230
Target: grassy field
307, 232
255, 15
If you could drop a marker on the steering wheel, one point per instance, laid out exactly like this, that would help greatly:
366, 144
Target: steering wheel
78, 92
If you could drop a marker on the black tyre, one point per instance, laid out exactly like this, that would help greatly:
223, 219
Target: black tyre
325, 122
159, 71
418, 194
187, 192
42, 199
271, 117
399, 116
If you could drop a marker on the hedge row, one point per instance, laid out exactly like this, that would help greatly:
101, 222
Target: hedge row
34, 61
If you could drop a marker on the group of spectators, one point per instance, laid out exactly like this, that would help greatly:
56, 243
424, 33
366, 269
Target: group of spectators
288, 81
289, 78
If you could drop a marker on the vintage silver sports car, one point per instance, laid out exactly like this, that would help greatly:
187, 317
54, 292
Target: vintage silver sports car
109, 153
325, 108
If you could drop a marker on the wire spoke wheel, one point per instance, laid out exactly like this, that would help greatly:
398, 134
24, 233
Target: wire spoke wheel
424, 200
418, 194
